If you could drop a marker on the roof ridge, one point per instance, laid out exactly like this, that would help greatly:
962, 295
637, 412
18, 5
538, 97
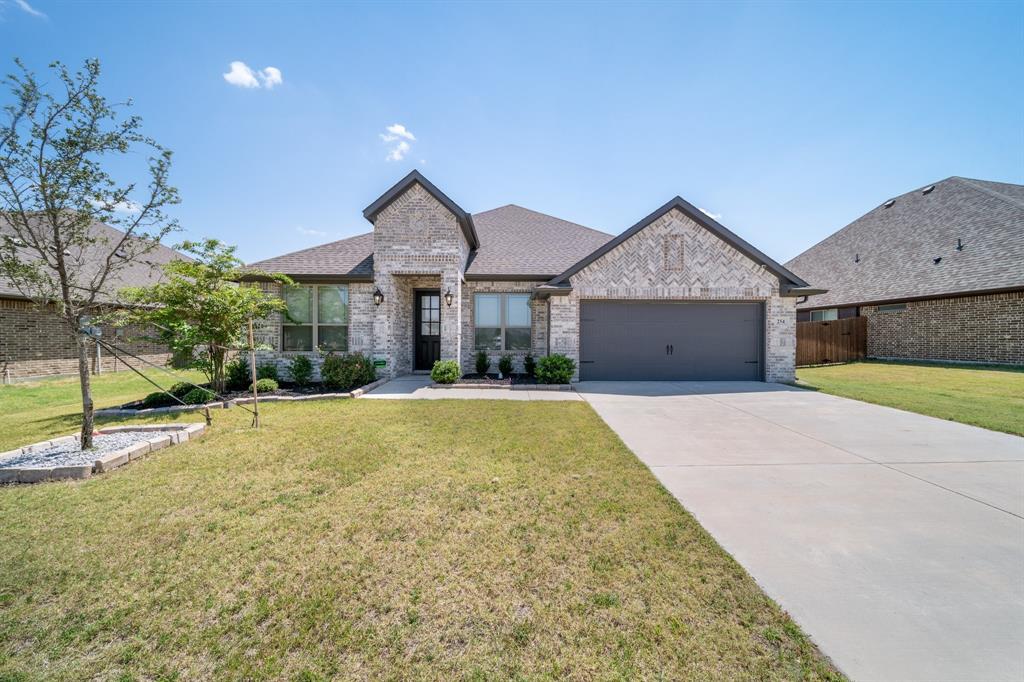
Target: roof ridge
973, 184
310, 248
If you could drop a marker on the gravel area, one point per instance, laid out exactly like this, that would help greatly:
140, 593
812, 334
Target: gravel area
72, 455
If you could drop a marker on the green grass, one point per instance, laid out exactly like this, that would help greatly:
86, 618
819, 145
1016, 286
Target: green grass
36, 410
380, 539
990, 397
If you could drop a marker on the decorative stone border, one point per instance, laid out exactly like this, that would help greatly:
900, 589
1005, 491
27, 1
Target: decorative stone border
121, 412
165, 436
514, 387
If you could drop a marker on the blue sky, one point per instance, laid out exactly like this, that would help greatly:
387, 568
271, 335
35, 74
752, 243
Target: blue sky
787, 120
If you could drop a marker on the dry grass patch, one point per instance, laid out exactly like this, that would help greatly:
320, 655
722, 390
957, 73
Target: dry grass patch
378, 539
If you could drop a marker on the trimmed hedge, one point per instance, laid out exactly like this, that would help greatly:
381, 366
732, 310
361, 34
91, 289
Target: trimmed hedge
445, 372
198, 396
555, 369
345, 372
265, 386
301, 370
483, 363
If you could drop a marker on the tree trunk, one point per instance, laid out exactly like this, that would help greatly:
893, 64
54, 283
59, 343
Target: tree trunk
84, 380
217, 358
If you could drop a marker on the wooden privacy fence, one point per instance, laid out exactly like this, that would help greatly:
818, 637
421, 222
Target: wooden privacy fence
819, 343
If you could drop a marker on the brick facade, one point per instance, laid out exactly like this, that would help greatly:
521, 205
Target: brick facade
36, 343
418, 244
987, 328
674, 258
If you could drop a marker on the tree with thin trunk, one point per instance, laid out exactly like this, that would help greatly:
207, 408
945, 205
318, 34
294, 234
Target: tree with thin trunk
55, 152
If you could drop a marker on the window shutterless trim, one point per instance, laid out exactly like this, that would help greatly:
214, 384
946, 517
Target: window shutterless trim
503, 320
314, 323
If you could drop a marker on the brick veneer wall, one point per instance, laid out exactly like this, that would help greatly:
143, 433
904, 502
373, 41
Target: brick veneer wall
538, 323
674, 258
987, 328
35, 343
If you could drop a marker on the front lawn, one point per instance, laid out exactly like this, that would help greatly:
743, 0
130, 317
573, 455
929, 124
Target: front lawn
444, 539
36, 410
990, 397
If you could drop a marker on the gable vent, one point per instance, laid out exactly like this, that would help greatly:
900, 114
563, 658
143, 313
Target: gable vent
928, 189
889, 203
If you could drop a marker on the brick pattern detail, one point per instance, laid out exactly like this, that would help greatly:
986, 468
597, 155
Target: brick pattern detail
987, 328
35, 343
711, 270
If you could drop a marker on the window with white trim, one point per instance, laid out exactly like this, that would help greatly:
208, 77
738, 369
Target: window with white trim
317, 317
825, 315
501, 321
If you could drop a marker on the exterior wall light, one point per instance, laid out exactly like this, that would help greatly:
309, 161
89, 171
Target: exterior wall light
378, 297
448, 298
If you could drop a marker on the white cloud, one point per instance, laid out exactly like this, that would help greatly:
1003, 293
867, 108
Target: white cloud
310, 233
29, 9
713, 216
397, 138
242, 76
119, 207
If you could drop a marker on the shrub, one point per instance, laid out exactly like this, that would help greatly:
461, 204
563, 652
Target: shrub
301, 370
237, 373
505, 365
445, 372
483, 363
266, 372
158, 399
345, 372
529, 365
180, 389
198, 396
265, 385
555, 369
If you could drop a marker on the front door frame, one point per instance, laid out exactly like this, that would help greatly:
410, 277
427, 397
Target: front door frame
432, 352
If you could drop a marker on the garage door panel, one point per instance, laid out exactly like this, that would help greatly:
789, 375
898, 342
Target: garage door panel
628, 340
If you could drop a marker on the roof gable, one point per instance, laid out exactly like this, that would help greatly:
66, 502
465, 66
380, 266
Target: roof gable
413, 178
889, 253
786, 278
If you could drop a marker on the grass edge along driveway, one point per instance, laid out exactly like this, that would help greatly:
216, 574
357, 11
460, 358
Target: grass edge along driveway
991, 397
368, 539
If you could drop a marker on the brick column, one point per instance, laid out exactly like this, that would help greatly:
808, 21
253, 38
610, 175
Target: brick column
451, 318
564, 330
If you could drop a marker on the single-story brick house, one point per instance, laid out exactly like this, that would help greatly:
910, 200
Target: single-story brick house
676, 296
938, 272
34, 342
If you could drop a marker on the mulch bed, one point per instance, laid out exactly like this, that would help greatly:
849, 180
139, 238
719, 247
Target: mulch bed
493, 380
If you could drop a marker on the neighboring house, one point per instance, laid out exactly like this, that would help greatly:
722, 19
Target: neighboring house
35, 342
938, 272
676, 296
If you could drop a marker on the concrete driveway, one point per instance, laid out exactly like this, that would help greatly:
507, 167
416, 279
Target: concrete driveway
895, 540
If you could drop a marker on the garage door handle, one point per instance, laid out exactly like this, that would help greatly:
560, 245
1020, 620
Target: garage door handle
586, 362
750, 362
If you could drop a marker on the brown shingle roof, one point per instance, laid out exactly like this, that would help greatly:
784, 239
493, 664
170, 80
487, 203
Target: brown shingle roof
513, 241
139, 273
888, 254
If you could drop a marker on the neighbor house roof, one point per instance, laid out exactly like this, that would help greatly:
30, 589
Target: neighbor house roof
513, 240
143, 272
889, 254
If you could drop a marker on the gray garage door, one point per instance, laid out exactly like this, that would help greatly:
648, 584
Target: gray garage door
628, 340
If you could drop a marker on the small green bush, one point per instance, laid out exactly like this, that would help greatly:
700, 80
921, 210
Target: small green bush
158, 399
181, 389
483, 363
236, 373
198, 396
345, 372
267, 372
445, 372
505, 365
301, 370
529, 365
265, 386
555, 369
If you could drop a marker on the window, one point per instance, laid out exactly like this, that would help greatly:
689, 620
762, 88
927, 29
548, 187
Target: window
892, 307
501, 321
824, 315
309, 325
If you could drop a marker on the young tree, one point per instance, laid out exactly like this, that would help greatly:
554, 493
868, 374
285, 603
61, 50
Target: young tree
201, 310
55, 152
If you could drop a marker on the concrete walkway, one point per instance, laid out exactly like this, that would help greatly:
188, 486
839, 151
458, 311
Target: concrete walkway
895, 540
417, 386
